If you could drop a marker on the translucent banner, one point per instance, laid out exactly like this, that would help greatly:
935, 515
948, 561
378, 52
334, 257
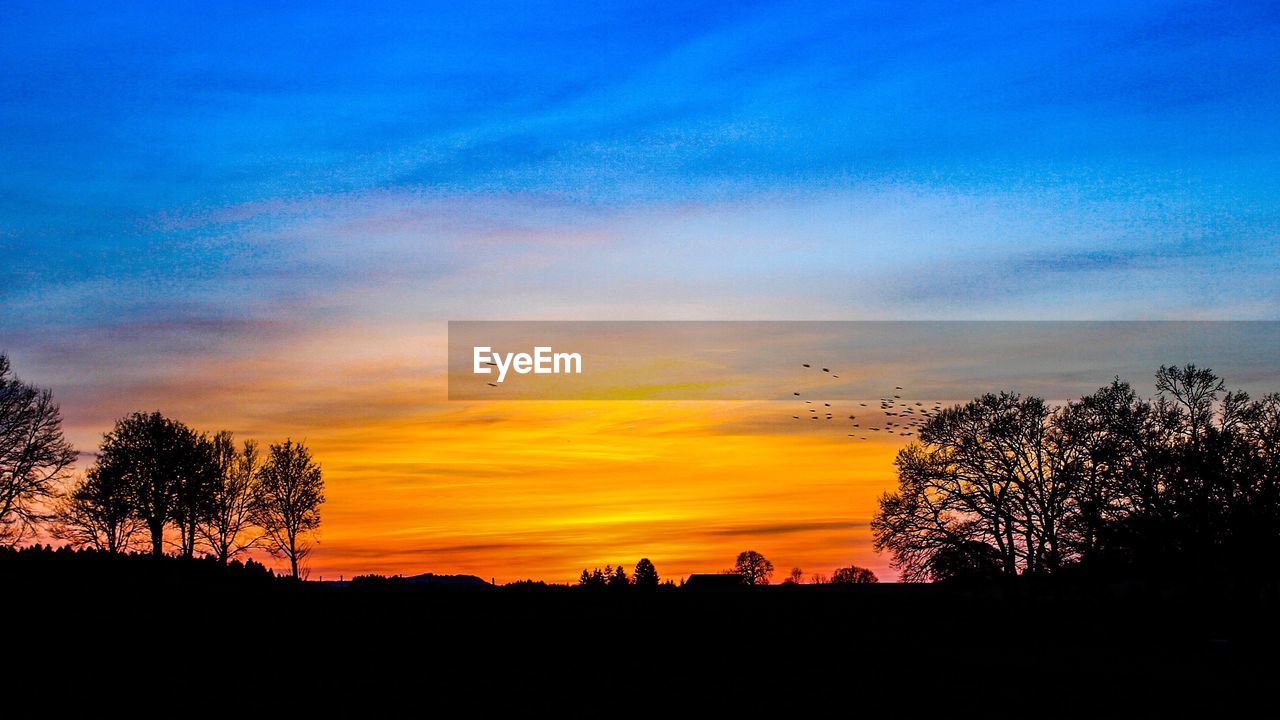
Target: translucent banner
906, 364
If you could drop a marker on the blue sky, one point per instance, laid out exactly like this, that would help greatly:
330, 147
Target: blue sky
178, 177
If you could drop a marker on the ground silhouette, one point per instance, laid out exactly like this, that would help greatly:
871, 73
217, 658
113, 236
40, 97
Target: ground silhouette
1080, 636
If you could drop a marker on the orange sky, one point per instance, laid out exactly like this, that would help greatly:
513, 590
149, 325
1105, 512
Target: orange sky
541, 490
515, 489
518, 489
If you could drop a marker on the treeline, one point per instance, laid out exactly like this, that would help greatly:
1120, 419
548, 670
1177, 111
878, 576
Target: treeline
755, 569
852, 575
751, 568
645, 577
156, 483
66, 567
1185, 484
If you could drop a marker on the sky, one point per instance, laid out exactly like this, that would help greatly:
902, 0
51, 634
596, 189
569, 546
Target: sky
260, 217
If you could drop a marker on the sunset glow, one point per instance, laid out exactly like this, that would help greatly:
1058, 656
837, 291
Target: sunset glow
262, 218
510, 490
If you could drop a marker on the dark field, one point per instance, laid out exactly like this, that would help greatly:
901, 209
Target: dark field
183, 620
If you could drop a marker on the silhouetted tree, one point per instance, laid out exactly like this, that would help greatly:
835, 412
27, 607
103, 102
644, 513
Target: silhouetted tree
853, 575
796, 577
228, 519
596, 578
1114, 475
34, 455
1210, 497
1006, 484
1192, 392
163, 464
646, 575
196, 481
97, 513
993, 470
965, 561
754, 568
619, 578
287, 502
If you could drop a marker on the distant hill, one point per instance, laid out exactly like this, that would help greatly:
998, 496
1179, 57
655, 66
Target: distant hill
422, 580
454, 580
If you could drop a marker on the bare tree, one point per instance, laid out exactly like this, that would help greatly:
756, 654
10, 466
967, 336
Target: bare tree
1006, 484
34, 455
924, 516
287, 501
994, 470
1113, 475
227, 523
754, 568
1191, 391
97, 513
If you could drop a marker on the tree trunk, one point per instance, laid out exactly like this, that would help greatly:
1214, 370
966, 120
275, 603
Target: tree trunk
157, 540
1011, 550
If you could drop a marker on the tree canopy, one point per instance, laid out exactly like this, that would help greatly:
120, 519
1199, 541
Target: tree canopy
754, 568
1007, 484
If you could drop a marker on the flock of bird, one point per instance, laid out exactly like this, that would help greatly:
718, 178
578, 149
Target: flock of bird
900, 417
